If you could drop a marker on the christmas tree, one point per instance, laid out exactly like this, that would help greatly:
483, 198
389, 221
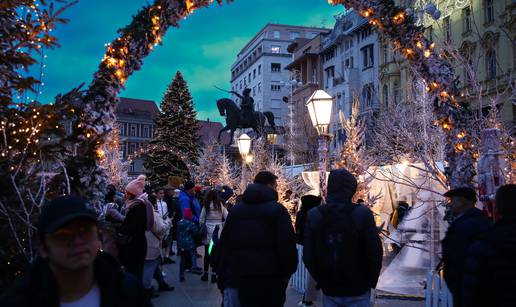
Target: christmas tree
175, 142
228, 174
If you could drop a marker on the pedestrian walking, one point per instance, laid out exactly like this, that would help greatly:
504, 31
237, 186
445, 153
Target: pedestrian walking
71, 270
468, 222
186, 232
490, 269
136, 222
342, 248
213, 215
166, 215
258, 248
154, 238
308, 202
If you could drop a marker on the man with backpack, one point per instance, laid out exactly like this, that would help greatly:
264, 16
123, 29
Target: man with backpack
342, 248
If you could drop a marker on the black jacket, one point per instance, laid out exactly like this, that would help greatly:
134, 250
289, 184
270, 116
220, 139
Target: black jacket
341, 188
258, 238
455, 244
38, 286
132, 254
490, 268
307, 202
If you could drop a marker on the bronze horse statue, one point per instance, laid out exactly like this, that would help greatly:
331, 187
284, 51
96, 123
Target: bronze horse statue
232, 112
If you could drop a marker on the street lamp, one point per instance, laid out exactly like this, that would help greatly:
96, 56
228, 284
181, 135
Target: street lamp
319, 107
244, 146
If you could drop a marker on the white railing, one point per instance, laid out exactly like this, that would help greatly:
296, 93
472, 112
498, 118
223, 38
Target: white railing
437, 293
298, 280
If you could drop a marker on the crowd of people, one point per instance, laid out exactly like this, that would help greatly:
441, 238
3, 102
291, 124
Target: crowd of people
110, 257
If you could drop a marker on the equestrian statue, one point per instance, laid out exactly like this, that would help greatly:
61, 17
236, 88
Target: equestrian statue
244, 116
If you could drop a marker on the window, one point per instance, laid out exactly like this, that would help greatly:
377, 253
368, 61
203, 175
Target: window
245, 81
249, 77
254, 73
275, 67
368, 56
146, 131
384, 54
491, 64
133, 130
275, 87
447, 29
489, 10
430, 33
294, 34
366, 95
396, 94
311, 35
259, 87
275, 104
275, 49
467, 19
259, 69
276, 34
132, 148
240, 84
254, 90
385, 93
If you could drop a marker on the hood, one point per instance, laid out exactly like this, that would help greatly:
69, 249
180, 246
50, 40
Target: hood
342, 185
259, 193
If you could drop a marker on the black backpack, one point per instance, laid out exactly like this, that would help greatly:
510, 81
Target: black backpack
338, 246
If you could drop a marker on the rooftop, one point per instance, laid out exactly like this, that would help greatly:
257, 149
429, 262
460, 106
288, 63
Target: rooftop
137, 107
209, 131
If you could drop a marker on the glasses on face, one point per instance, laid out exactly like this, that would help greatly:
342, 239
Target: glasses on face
66, 234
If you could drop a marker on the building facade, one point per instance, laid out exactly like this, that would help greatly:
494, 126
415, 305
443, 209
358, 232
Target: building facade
135, 119
307, 72
349, 54
482, 34
260, 66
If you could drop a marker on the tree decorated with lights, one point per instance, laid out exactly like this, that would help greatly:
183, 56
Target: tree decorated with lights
176, 140
110, 158
210, 164
228, 174
354, 156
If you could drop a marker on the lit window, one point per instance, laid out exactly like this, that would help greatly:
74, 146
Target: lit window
275, 49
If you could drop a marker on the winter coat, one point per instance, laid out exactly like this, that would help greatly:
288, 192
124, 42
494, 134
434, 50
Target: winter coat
174, 213
212, 219
156, 235
258, 239
132, 254
226, 193
341, 188
185, 201
38, 286
307, 202
490, 268
186, 232
458, 239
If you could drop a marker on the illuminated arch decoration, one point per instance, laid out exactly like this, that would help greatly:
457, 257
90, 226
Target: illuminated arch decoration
124, 55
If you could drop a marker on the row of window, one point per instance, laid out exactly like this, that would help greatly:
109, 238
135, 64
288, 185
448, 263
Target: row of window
275, 67
132, 148
293, 34
250, 59
135, 130
467, 24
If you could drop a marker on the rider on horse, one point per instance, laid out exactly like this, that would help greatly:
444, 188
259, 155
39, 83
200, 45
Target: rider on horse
246, 106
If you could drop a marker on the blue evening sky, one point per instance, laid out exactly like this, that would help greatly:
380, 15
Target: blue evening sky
203, 48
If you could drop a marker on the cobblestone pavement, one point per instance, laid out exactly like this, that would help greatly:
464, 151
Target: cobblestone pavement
196, 293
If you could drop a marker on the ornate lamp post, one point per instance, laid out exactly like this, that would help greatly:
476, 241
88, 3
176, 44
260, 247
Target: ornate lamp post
319, 107
244, 147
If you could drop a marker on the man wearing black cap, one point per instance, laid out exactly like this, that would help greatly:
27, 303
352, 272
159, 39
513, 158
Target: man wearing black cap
467, 224
71, 271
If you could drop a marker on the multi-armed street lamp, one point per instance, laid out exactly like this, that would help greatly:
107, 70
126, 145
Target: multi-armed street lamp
319, 107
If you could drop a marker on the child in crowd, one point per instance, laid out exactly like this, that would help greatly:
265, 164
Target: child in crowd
186, 232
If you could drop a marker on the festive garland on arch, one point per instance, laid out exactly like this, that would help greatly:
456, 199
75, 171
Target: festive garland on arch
396, 23
124, 55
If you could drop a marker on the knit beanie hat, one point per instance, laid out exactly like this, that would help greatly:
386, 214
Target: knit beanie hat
136, 186
187, 213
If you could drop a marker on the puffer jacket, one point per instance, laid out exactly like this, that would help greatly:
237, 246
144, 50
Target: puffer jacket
490, 268
341, 188
38, 287
156, 235
258, 238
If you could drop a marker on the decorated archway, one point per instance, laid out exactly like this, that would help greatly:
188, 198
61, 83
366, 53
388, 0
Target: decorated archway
124, 55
